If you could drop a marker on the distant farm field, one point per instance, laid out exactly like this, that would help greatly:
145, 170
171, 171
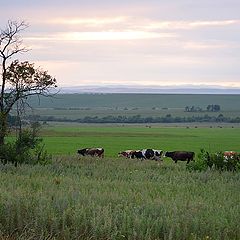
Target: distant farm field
228, 102
75, 106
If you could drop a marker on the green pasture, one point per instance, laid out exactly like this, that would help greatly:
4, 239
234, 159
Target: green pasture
116, 198
66, 139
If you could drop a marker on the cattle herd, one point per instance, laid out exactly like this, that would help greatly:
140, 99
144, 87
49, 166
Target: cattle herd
151, 154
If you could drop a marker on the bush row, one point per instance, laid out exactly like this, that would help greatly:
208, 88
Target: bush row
138, 119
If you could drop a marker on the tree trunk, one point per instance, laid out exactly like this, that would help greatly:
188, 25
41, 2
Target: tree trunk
3, 128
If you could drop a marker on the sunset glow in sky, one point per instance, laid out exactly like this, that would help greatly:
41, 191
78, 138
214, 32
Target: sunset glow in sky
132, 42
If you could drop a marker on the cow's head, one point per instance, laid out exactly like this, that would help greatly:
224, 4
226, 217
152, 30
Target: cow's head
158, 153
81, 151
168, 154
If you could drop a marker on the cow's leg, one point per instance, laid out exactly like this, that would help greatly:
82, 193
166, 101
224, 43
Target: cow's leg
188, 161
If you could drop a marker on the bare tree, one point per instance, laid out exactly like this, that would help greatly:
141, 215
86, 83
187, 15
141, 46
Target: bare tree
19, 80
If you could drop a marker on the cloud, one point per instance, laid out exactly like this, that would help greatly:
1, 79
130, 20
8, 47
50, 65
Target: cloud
138, 42
120, 28
99, 36
88, 21
188, 25
130, 23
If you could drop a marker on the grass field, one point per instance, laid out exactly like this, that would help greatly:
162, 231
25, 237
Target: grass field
110, 198
67, 139
116, 198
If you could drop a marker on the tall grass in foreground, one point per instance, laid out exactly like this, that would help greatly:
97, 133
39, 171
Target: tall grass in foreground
117, 199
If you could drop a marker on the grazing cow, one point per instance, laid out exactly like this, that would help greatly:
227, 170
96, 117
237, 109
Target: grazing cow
126, 153
138, 154
229, 155
98, 152
180, 155
157, 154
151, 154
148, 153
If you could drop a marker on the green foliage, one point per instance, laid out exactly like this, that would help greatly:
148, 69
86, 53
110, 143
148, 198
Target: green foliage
168, 118
214, 161
198, 165
225, 163
27, 148
28, 79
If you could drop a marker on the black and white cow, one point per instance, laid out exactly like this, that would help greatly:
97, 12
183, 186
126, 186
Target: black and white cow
147, 154
98, 152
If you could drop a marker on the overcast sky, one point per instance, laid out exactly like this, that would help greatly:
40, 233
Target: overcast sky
135, 42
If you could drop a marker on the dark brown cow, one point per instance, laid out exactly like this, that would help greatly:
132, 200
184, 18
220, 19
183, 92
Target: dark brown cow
98, 152
180, 155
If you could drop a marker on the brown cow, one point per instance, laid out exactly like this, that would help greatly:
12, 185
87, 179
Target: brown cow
229, 155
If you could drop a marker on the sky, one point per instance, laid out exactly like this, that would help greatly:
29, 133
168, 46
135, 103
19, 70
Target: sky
176, 43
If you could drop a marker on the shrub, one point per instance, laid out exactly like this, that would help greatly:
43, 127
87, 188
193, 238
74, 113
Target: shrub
27, 148
214, 161
201, 164
225, 163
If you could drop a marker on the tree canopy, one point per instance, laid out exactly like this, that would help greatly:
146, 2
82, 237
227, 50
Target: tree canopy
18, 80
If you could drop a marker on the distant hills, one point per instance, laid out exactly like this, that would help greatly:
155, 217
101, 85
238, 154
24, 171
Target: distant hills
150, 89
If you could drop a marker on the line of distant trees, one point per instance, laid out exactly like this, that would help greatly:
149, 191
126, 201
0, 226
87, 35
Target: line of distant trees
138, 119
209, 108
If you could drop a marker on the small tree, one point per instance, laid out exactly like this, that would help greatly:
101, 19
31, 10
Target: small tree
19, 80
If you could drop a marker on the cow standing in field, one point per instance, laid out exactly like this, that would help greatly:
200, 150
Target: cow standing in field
230, 155
138, 154
180, 155
93, 152
126, 153
157, 154
151, 154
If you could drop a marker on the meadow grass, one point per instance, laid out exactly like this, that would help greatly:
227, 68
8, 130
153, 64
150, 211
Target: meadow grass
67, 139
87, 198
116, 198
